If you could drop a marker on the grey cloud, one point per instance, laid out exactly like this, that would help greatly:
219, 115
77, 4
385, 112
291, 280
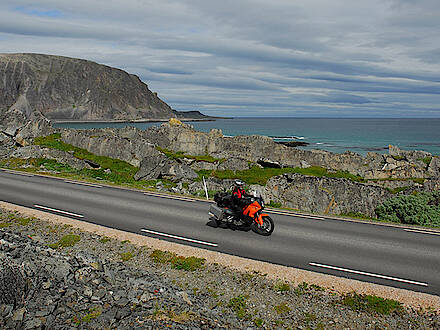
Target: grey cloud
252, 55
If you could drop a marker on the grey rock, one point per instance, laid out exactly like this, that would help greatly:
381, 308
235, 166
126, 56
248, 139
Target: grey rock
122, 313
325, 195
234, 164
69, 88
157, 166
434, 167
6, 310
33, 323
13, 286
18, 314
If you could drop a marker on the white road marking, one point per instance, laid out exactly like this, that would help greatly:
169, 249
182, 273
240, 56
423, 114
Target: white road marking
170, 197
423, 231
18, 173
59, 211
368, 274
178, 237
83, 183
295, 215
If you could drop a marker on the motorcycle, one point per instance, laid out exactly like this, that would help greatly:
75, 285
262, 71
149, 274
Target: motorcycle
249, 213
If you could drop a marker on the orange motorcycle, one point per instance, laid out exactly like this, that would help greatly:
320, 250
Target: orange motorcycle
249, 212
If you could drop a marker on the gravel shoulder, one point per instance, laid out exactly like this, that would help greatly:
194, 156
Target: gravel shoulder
224, 292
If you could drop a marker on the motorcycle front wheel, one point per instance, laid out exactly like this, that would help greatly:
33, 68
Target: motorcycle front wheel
266, 228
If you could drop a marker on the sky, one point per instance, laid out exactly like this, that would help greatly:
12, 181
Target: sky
277, 58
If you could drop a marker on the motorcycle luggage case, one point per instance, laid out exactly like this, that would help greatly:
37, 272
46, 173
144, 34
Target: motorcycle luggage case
216, 211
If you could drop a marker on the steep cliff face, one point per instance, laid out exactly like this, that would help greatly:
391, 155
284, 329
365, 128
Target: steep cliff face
75, 89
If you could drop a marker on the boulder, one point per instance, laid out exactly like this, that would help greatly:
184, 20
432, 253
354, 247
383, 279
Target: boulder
434, 167
156, 166
13, 286
234, 164
11, 121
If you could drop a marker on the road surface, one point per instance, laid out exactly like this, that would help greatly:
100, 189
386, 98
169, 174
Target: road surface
402, 257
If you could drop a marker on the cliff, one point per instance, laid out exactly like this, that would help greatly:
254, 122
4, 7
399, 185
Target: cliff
74, 89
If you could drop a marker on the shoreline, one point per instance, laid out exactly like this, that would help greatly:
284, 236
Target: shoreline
122, 121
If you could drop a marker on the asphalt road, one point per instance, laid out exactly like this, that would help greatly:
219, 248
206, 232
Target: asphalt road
395, 256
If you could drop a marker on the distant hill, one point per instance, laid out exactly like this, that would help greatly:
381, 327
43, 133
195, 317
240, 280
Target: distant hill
74, 89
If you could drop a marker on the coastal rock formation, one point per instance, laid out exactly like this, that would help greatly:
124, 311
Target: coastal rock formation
160, 166
17, 131
63, 157
238, 151
125, 144
325, 195
75, 89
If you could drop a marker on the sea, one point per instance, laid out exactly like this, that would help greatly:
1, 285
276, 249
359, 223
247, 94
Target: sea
360, 135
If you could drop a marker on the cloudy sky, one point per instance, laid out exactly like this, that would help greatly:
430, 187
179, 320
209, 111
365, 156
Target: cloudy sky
339, 58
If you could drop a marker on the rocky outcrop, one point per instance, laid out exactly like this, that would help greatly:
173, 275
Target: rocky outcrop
125, 144
160, 166
75, 89
236, 153
263, 150
325, 195
34, 151
18, 131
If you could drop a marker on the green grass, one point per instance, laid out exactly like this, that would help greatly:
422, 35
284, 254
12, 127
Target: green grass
395, 157
126, 256
121, 171
66, 241
177, 262
371, 304
397, 190
105, 239
257, 175
356, 215
426, 160
282, 308
282, 287
238, 306
274, 204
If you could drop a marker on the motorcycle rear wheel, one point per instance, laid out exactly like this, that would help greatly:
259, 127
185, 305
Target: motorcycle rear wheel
266, 228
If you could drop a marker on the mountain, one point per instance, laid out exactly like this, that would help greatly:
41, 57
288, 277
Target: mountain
74, 89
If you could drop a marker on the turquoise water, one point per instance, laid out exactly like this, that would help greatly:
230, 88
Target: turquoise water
333, 134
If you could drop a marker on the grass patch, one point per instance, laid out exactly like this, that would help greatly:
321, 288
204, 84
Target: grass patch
282, 308
120, 171
238, 306
274, 204
370, 304
105, 239
92, 314
126, 256
426, 160
396, 157
257, 175
66, 241
177, 262
4, 224
282, 287
356, 215
397, 189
